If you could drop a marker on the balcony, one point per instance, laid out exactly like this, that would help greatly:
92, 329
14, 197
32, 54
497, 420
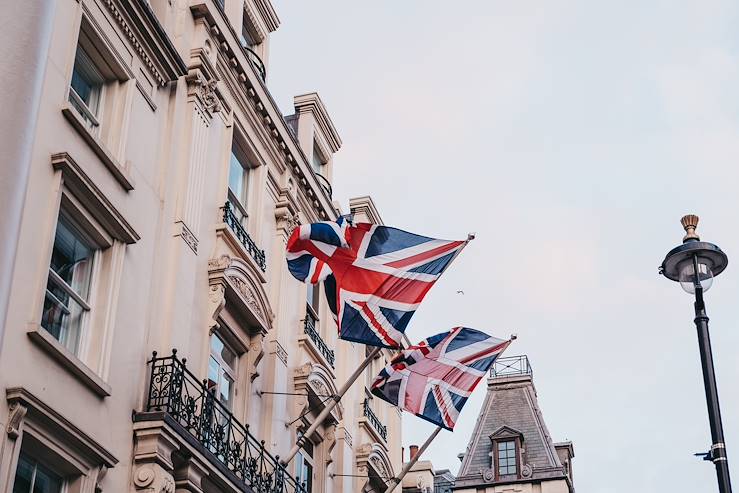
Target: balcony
310, 329
240, 232
323, 181
198, 415
256, 62
374, 420
511, 366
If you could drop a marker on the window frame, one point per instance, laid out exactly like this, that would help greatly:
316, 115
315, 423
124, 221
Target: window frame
241, 204
87, 305
90, 112
232, 373
305, 463
517, 454
37, 464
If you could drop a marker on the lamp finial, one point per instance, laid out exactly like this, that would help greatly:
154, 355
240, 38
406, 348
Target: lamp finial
690, 222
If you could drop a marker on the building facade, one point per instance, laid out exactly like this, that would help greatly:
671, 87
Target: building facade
510, 449
155, 340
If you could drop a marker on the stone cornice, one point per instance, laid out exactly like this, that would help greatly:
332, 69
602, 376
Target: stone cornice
311, 102
140, 25
268, 14
365, 205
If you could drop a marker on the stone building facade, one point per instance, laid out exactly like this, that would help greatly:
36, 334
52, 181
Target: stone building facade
161, 185
510, 449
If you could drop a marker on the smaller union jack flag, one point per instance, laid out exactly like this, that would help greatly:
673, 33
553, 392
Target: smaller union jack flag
375, 277
434, 378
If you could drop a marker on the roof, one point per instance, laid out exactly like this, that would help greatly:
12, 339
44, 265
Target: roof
511, 409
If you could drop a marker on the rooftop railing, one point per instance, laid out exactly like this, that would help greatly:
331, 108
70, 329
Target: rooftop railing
256, 253
511, 366
175, 390
374, 420
310, 329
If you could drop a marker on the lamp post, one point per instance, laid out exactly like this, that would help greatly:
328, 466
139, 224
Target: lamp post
694, 264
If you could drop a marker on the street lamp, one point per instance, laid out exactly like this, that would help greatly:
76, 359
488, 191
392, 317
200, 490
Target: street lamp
694, 264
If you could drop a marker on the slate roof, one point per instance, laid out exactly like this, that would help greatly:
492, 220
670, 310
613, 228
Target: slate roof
511, 407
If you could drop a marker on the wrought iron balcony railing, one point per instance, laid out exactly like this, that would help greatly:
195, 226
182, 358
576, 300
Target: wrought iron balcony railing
256, 61
511, 366
323, 181
175, 390
310, 329
256, 253
376, 423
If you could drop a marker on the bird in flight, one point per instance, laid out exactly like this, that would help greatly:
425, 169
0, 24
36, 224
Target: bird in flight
460, 292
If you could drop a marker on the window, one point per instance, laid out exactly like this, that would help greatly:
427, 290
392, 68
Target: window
86, 87
68, 288
247, 40
222, 371
317, 160
304, 467
33, 477
313, 297
238, 181
506, 457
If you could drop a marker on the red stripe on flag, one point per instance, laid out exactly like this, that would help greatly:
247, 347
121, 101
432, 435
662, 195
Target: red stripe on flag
376, 325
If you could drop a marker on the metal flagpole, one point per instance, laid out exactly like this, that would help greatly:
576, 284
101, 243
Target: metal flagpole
394, 482
329, 407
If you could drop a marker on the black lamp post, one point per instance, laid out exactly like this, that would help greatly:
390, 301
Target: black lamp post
694, 265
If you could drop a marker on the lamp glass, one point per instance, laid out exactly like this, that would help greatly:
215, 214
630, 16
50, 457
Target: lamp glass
686, 275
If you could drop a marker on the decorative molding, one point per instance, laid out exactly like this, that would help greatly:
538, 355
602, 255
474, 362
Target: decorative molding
187, 236
311, 103
365, 206
280, 352
216, 302
16, 414
170, 64
243, 290
42, 418
86, 191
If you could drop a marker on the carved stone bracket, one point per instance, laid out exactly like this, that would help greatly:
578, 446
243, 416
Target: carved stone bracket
234, 281
153, 478
15, 419
286, 212
316, 381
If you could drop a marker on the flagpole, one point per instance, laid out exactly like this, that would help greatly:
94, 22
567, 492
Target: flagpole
394, 482
285, 460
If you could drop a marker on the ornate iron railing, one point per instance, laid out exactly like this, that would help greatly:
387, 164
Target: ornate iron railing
256, 62
372, 418
323, 181
175, 390
310, 329
256, 253
511, 366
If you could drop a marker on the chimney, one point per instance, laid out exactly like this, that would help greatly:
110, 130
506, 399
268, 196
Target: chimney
414, 451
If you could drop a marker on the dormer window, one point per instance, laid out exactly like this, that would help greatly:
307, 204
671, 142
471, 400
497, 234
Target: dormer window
507, 453
506, 458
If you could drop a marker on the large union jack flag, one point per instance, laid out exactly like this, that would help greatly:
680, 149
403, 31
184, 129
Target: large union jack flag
434, 378
375, 277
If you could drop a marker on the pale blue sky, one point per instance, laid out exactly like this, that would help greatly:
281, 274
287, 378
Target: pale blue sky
571, 136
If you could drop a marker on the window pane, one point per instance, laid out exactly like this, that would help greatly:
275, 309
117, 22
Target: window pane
238, 174
213, 371
86, 81
71, 257
23, 476
225, 391
316, 160
229, 357
46, 481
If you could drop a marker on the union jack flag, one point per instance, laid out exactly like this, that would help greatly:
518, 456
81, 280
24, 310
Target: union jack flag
434, 378
375, 277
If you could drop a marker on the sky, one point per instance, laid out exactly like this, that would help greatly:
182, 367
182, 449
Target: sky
570, 136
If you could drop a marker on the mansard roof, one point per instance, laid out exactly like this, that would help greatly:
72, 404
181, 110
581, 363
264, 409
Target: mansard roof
510, 409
